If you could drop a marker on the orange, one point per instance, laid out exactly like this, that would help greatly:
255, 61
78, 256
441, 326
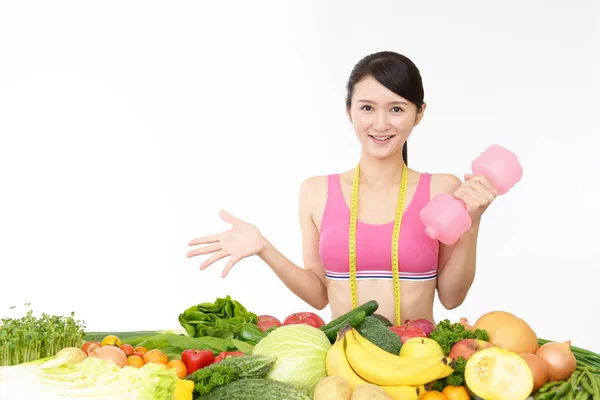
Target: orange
135, 361
156, 356
180, 368
140, 349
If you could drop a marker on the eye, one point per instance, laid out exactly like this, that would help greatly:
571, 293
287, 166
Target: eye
397, 109
366, 108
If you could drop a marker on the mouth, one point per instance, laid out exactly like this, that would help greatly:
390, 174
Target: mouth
382, 139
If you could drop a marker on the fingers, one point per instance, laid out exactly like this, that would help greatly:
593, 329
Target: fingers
483, 181
225, 216
215, 257
211, 248
232, 261
205, 239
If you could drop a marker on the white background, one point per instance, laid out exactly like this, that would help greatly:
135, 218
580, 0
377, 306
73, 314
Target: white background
126, 126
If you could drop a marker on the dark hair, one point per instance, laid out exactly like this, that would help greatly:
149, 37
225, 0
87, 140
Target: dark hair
394, 71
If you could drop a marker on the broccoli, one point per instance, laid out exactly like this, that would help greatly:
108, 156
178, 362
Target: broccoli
447, 334
377, 333
456, 378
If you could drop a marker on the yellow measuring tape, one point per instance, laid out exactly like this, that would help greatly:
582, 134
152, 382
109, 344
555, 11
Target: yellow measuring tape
395, 237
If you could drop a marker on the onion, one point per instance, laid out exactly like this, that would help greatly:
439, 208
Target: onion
538, 368
559, 359
424, 325
465, 322
110, 353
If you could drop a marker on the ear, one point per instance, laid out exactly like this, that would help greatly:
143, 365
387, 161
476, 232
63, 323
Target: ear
420, 114
348, 110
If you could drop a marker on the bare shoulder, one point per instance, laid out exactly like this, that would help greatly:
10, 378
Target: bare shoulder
444, 183
313, 192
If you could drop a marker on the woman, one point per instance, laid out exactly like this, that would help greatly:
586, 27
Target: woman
384, 103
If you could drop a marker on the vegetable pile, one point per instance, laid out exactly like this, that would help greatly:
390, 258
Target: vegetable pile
225, 351
31, 338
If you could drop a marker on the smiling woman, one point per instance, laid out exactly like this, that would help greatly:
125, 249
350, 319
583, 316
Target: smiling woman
362, 238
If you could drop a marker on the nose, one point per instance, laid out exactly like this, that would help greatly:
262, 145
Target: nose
381, 122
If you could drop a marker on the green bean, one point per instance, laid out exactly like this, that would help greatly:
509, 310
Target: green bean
593, 385
585, 383
563, 389
573, 379
549, 386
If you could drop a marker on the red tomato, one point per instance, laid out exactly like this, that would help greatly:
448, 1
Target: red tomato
267, 321
307, 318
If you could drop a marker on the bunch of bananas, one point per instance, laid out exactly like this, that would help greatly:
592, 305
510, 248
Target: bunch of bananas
359, 361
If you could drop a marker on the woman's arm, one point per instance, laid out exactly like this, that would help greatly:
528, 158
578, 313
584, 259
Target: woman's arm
307, 283
457, 262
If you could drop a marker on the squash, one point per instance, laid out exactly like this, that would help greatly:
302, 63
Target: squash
498, 374
508, 331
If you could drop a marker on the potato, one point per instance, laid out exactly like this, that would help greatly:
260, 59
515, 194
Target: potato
332, 388
370, 392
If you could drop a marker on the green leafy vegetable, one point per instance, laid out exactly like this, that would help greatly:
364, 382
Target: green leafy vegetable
222, 319
30, 338
300, 350
173, 344
447, 334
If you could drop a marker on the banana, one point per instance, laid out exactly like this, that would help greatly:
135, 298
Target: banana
417, 347
405, 392
378, 352
337, 364
374, 370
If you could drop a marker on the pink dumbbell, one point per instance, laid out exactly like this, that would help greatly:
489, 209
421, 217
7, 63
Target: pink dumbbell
446, 218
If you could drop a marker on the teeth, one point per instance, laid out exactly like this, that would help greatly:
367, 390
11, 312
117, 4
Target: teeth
381, 139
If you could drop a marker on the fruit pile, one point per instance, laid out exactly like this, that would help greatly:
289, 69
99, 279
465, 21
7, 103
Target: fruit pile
227, 352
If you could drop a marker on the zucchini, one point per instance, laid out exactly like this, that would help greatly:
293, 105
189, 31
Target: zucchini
257, 389
251, 333
498, 374
355, 320
230, 369
369, 308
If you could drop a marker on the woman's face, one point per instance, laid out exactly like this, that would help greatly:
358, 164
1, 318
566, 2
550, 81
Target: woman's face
381, 119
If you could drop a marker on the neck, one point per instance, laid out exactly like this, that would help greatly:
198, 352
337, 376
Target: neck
381, 171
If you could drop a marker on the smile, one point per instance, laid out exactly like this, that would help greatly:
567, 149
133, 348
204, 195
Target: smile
381, 138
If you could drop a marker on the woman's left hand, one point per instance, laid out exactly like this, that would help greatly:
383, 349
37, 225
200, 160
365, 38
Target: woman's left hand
477, 193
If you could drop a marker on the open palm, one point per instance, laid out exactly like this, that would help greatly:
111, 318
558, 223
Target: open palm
241, 241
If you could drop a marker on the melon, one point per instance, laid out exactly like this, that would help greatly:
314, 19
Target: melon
508, 331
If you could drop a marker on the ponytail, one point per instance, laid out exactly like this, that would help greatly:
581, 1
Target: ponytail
405, 153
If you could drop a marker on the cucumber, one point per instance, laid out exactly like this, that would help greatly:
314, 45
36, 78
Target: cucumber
369, 308
257, 388
251, 333
230, 369
355, 320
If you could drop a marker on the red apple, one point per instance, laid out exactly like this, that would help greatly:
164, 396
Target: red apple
467, 347
267, 321
307, 318
407, 331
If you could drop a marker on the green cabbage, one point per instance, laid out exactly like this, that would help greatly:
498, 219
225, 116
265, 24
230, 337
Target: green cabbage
300, 351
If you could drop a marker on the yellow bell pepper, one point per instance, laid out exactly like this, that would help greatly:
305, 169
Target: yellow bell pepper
456, 393
184, 389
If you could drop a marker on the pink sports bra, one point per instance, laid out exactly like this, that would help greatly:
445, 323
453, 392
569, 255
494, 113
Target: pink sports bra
417, 253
